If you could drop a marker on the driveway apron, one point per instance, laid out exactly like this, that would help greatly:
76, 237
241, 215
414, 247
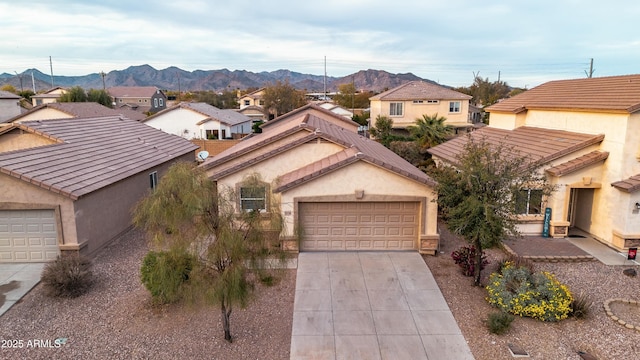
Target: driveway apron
371, 305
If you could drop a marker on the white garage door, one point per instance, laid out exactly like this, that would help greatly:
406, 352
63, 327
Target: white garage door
359, 226
28, 236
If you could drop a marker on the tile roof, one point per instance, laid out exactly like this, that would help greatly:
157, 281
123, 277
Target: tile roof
229, 117
578, 163
132, 91
629, 185
539, 144
309, 127
313, 107
614, 93
420, 90
90, 153
83, 110
8, 95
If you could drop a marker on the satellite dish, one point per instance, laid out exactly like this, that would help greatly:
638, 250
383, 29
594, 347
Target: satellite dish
202, 155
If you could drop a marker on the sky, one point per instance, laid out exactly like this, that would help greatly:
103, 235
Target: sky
522, 42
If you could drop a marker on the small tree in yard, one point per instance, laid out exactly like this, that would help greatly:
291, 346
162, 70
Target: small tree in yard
187, 212
479, 196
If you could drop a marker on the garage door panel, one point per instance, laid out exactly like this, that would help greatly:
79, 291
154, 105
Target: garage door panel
28, 236
359, 226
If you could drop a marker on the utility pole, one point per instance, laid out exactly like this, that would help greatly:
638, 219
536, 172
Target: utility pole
325, 79
33, 82
104, 87
591, 69
51, 67
20, 78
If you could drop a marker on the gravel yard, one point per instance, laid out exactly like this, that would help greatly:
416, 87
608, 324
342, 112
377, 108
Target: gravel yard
598, 334
115, 320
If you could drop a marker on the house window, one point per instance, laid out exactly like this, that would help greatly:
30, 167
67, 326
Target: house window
418, 101
433, 101
454, 106
529, 202
247, 103
161, 102
153, 180
253, 198
261, 102
395, 109
155, 102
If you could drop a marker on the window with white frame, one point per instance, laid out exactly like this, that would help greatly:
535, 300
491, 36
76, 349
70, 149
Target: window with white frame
433, 101
253, 198
395, 109
529, 202
161, 102
155, 102
454, 106
247, 102
153, 180
418, 101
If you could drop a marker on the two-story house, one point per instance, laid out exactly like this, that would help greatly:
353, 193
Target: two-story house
410, 101
9, 105
139, 98
49, 96
586, 132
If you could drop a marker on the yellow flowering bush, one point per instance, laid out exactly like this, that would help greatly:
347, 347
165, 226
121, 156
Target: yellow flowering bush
539, 295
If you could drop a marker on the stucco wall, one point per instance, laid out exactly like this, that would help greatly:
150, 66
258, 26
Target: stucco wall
20, 195
17, 139
181, 122
45, 114
413, 111
9, 108
104, 214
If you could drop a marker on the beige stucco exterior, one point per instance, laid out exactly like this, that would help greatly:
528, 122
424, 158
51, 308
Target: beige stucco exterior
413, 111
607, 213
45, 113
190, 124
341, 185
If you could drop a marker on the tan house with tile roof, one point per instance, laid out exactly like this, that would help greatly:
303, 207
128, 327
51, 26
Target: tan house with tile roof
408, 102
68, 110
588, 132
49, 96
253, 98
335, 189
70, 184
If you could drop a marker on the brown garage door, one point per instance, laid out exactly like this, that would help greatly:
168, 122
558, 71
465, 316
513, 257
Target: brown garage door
359, 226
28, 236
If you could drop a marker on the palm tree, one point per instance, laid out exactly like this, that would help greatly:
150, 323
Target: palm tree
430, 130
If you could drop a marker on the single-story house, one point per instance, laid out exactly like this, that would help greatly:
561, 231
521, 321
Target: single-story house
335, 190
586, 132
69, 185
49, 96
201, 121
68, 110
9, 105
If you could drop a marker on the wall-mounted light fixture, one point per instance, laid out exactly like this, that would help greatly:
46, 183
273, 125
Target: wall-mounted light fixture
638, 206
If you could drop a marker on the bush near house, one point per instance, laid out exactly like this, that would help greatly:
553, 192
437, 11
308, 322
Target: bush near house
538, 295
164, 273
68, 276
465, 257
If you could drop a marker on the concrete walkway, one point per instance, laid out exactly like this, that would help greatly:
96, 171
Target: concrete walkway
371, 305
17, 279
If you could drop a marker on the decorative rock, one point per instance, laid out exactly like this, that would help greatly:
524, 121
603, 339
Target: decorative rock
615, 318
630, 272
586, 356
629, 326
622, 322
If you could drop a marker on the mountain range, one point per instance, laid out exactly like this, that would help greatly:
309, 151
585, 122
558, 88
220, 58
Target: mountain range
173, 78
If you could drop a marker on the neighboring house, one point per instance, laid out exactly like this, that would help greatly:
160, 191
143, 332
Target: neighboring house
49, 96
9, 105
201, 121
139, 98
253, 98
69, 185
336, 109
255, 113
335, 189
68, 110
587, 131
408, 102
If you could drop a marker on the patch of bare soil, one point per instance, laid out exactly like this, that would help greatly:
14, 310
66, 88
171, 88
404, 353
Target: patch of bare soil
597, 334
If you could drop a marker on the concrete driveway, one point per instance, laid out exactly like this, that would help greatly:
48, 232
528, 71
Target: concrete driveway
371, 305
17, 279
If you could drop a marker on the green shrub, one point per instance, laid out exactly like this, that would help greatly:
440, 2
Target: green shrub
580, 306
537, 295
465, 257
163, 273
499, 322
67, 276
